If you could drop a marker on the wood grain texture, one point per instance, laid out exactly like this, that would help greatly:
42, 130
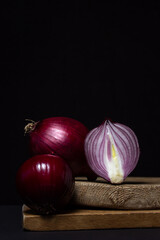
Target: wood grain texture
79, 219
97, 206
134, 193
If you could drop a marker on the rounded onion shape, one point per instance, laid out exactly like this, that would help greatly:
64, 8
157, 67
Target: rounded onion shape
112, 151
61, 136
45, 183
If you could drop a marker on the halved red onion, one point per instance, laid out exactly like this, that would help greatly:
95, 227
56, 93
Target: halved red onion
112, 151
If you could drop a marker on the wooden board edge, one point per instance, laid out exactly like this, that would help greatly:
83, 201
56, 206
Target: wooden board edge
98, 220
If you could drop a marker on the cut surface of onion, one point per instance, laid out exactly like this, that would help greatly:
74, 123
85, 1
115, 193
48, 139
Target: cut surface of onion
112, 151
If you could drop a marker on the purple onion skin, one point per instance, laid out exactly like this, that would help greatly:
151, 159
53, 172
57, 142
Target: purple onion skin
64, 137
112, 151
45, 183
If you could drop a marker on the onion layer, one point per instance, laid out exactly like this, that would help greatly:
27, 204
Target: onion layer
64, 137
45, 183
112, 151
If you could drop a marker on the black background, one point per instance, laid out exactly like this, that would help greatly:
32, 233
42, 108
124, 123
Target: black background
82, 59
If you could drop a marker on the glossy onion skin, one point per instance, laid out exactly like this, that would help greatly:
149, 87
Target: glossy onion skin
112, 151
45, 183
64, 137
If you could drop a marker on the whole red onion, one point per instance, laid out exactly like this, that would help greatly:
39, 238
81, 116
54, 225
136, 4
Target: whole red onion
45, 183
61, 136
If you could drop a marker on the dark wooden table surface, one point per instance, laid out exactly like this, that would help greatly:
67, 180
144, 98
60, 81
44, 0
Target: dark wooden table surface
11, 228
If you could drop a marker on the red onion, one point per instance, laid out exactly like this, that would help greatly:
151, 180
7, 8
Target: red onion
112, 151
61, 136
45, 183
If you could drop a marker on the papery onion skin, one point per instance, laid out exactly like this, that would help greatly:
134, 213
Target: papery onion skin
45, 183
112, 151
64, 137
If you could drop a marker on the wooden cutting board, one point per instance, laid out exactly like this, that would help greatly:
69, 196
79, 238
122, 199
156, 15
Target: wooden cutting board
101, 205
134, 193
